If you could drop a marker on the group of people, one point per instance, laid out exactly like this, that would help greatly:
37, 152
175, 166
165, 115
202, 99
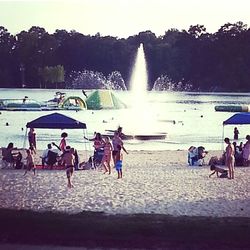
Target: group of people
234, 155
62, 154
11, 156
106, 149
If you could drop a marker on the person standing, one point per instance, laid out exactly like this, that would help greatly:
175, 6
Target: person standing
32, 138
246, 152
107, 155
30, 163
118, 162
236, 133
63, 142
117, 141
230, 160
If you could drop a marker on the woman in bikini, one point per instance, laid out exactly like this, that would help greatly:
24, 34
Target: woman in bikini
230, 161
107, 155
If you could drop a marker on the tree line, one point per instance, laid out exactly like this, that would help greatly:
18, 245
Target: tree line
193, 59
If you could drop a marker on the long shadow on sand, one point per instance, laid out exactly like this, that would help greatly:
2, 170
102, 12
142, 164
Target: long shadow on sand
146, 231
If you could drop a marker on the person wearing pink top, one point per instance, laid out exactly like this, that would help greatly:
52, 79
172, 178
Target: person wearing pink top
63, 142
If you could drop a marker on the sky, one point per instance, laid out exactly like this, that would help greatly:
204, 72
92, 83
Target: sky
121, 18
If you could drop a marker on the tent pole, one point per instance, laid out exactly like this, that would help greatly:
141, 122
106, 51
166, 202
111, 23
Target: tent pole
85, 146
222, 141
25, 137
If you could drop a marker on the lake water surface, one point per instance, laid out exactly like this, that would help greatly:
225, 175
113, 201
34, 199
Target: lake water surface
187, 118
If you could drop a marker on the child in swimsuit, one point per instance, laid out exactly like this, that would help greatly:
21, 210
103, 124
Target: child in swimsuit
118, 161
30, 162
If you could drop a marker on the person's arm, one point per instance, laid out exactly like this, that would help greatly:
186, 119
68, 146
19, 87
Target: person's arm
212, 174
124, 149
56, 146
88, 139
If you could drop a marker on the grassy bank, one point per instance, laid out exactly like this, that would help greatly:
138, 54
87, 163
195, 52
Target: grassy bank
123, 231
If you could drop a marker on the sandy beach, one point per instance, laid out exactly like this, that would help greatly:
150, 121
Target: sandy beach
154, 182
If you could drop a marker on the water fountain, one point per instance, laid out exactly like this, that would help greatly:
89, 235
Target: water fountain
142, 117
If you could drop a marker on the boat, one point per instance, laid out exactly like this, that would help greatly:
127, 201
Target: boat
232, 108
24, 104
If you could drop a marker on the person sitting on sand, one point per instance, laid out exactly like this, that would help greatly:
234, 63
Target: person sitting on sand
19, 163
217, 170
30, 164
68, 159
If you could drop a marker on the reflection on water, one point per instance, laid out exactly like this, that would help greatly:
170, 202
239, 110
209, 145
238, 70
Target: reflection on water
195, 123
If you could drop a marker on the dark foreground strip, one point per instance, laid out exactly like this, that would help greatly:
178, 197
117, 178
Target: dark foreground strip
147, 231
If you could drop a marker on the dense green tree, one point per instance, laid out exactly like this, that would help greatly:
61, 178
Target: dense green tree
177, 60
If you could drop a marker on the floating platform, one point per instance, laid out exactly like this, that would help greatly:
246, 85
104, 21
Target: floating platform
26, 104
141, 137
151, 137
232, 108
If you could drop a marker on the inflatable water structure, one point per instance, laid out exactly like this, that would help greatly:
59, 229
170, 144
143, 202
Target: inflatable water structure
60, 103
104, 99
24, 104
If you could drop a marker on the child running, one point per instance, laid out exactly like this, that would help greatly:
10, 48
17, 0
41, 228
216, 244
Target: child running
68, 159
30, 162
107, 155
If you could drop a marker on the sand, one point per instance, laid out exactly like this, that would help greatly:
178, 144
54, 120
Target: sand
158, 182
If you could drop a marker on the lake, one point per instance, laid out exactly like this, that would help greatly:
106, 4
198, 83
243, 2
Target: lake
188, 118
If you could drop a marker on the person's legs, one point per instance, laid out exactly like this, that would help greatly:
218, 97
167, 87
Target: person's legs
232, 169
108, 163
229, 164
68, 177
103, 164
114, 156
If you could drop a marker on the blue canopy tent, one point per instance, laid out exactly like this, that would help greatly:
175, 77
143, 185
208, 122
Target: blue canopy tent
55, 121
237, 119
